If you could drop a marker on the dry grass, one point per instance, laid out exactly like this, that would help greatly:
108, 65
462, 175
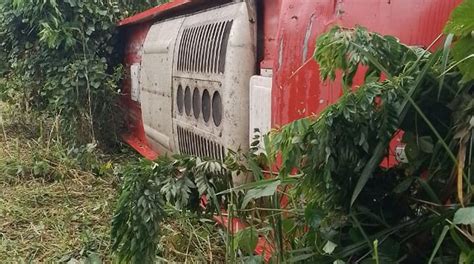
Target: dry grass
45, 219
56, 219
188, 239
40, 222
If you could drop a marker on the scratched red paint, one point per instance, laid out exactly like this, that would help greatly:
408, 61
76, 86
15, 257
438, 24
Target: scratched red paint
287, 33
288, 30
298, 95
135, 136
297, 88
156, 12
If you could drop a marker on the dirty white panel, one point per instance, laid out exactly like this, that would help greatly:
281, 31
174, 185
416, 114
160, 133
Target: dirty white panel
260, 105
156, 83
135, 82
215, 58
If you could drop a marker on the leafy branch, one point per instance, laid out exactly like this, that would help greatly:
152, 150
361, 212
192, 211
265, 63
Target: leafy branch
151, 188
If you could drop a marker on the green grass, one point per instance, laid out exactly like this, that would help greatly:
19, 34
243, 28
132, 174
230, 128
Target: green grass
39, 222
44, 219
63, 211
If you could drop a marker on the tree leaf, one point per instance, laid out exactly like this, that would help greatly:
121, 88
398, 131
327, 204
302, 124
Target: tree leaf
374, 161
247, 239
463, 51
438, 244
426, 144
404, 185
313, 216
253, 194
464, 216
461, 22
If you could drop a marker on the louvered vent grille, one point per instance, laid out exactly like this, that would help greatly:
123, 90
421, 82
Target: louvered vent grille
193, 144
203, 48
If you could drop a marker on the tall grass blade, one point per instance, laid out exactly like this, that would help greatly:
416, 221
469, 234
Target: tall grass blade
445, 58
376, 252
438, 244
460, 171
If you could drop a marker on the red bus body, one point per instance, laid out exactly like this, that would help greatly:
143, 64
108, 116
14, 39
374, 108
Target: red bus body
286, 37
287, 32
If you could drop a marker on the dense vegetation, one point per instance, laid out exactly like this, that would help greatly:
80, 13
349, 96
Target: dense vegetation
342, 206
59, 79
61, 59
60, 76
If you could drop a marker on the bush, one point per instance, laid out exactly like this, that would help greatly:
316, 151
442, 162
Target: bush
64, 58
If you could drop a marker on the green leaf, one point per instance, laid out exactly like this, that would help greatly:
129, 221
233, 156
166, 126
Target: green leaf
466, 258
390, 248
445, 58
253, 194
313, 216
301, 257
426, 144
253, 260
459, 241
464, 216
461, 22
288, 225
247, 240
404, 185
463, 51
93, 258
369, 168
431, 193
261, 184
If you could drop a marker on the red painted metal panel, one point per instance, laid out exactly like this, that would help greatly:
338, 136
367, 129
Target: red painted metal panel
290, 28
135, 135
269, 29
297, 89
154, 12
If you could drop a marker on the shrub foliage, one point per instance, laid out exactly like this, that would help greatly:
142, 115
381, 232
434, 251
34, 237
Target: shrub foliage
343, 206
63, 56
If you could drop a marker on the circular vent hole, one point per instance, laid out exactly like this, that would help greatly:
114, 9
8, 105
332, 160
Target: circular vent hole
180, 99
196, 102
187, 101
217, 108
206, 105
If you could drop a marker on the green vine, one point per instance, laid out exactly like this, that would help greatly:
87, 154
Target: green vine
66, 55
